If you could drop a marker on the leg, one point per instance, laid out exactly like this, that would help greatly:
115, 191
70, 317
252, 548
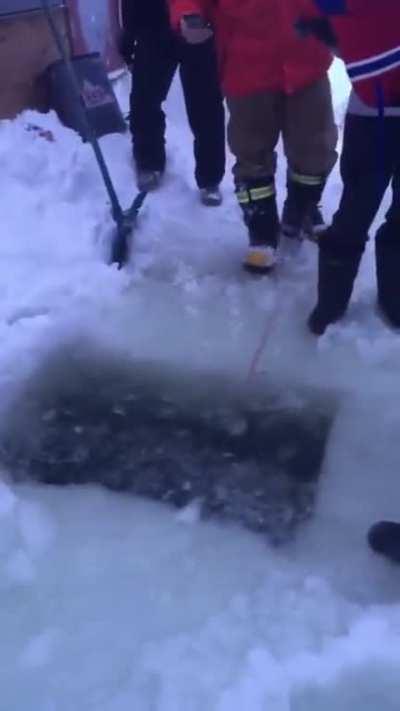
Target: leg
254, 128
366, 168
387, 246
384, 538
253, 132
205, 110
153, 68
310, 137
342, 245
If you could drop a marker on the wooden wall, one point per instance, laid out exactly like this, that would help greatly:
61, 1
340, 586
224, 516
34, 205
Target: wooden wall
26, 49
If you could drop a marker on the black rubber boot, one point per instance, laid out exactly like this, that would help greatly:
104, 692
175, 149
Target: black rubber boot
338, 267
301, 215
388, 278
257, 200
384, 538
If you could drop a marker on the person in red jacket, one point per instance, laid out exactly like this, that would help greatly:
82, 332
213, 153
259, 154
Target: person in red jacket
367, 35
276, 85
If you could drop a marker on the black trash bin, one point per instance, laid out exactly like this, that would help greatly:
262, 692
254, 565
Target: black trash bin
97, 94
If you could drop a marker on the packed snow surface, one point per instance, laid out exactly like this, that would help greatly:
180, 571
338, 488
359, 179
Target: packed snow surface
111, 603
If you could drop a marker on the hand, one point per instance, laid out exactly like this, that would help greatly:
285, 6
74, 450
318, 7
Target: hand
195, 30
320, 28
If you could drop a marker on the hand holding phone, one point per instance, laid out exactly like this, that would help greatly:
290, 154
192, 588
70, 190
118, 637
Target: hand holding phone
195, 30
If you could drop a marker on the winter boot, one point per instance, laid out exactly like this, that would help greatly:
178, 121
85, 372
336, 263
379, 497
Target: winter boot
384, 538
211, 196
257, 200
388, 277
260, 260
148, 180
338, 267
302, 217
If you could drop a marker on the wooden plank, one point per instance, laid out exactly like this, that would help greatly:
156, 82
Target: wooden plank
26, 50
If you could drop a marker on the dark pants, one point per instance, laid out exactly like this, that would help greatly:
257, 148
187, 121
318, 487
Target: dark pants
370, 161
157, 56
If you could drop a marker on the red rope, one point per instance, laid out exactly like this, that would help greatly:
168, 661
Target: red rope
271, 320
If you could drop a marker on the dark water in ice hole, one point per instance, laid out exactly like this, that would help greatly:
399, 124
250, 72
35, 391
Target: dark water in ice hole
250, 454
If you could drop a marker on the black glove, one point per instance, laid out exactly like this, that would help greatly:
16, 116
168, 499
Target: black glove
320, 28
125, 44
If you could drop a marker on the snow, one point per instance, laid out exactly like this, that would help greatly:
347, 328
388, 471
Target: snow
113, 604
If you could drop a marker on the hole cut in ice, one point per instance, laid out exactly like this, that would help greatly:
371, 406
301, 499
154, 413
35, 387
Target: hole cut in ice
250, 453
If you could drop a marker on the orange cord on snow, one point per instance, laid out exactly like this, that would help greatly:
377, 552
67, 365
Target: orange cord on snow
269, 325
252, 371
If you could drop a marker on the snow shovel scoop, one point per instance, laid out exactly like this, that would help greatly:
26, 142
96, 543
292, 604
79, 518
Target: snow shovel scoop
125, 220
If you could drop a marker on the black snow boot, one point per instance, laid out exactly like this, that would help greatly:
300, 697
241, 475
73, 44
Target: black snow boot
384, 538
338, 267
302, 217
388, 278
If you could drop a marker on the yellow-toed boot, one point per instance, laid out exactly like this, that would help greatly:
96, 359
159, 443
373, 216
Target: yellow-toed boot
260, 259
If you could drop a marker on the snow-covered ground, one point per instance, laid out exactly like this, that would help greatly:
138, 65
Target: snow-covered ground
113, 604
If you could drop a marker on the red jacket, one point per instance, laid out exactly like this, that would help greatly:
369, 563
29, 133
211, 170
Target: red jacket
368, 36
257, 44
